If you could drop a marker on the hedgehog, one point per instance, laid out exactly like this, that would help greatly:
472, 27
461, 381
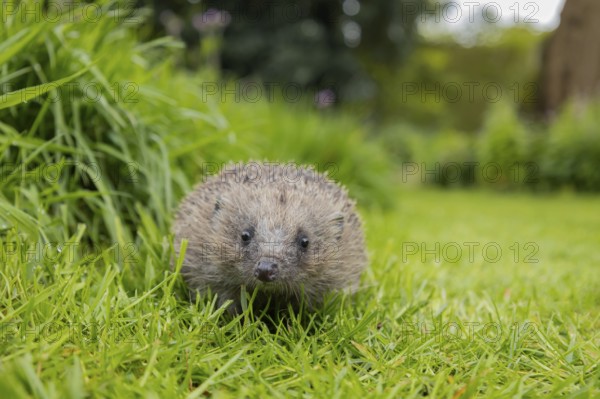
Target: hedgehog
285, 231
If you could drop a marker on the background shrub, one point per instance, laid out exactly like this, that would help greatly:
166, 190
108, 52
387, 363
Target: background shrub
509, 153
502, 148
572, 154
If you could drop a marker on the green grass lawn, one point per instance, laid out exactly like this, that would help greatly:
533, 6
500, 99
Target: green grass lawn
469, 294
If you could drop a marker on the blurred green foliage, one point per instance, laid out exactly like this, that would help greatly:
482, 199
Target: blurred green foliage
503, 143
317, 44
509, 152
369, 54
571, 154
117, 147
447, 85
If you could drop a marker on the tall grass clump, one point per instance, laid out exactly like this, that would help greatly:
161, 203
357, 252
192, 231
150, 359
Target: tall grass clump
93, 150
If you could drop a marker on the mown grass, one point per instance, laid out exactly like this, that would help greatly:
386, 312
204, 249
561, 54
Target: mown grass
454, 328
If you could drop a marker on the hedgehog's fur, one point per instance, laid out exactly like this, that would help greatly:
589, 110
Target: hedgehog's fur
278, 204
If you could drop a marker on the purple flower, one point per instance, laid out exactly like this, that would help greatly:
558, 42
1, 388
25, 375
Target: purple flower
211, 19
324, 98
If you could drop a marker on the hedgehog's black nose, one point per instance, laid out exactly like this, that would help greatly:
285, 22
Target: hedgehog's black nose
266, 271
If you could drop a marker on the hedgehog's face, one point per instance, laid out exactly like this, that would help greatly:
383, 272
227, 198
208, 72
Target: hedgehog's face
278, 243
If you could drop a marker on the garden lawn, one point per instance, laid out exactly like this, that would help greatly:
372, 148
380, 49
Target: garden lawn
469, 294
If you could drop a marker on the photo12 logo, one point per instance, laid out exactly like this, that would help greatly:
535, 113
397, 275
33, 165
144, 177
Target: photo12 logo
470, 172
469, 92
88, 92
468, 252
471, 331
51, 252
455, 12
67, 11
53, 172
81, 333
252, 92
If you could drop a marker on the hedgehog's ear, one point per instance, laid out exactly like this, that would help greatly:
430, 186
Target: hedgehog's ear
217, 209
337, 223
218, 205
282, 196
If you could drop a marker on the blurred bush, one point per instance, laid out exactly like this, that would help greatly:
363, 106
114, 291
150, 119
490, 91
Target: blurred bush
334, 143
502, 147
370, 54
572, 150
508, 153
316, 44
445, 85
443, 158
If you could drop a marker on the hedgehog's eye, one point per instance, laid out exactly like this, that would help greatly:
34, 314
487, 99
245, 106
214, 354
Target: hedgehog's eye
303, 241
247, 235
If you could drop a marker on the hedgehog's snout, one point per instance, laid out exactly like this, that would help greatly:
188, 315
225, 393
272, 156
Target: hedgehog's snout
266, 270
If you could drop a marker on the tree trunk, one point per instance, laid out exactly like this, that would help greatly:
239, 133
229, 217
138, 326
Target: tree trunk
571, 66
